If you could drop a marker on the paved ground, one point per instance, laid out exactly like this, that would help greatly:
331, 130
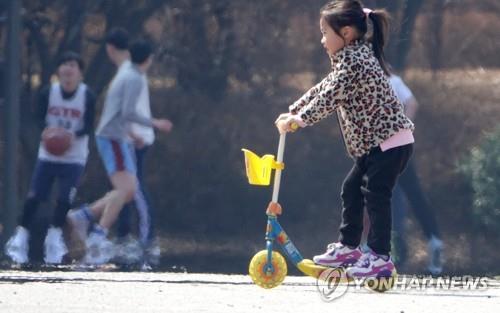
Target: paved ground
75, 292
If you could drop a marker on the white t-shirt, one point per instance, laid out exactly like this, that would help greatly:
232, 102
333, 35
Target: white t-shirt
402, 91
67, 114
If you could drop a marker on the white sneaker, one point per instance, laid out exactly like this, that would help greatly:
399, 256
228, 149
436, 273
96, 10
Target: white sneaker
152, 252
99, 249
338, 255
128, 250
436, 257
371, 265
146, 267
17, 247
79, 224
54, 246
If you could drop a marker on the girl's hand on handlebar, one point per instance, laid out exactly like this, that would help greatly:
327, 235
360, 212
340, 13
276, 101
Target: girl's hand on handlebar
287, 122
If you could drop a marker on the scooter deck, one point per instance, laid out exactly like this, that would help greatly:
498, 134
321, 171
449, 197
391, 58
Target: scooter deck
339, 275
312, 269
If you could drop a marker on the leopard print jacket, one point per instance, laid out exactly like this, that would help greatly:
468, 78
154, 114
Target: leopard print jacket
359, 91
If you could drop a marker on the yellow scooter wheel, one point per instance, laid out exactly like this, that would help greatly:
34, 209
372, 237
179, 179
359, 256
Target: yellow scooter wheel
265, 278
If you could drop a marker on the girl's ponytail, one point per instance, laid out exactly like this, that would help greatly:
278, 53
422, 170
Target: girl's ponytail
380, 21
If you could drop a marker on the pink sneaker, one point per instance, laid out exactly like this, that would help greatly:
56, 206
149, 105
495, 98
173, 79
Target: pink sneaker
371, 265
338, 255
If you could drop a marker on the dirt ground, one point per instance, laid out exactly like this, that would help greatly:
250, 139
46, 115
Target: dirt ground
75, 292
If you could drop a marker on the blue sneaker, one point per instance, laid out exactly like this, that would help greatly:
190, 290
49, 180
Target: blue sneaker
436, 259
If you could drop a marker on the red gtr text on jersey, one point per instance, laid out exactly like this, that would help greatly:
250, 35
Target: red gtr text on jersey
65, 112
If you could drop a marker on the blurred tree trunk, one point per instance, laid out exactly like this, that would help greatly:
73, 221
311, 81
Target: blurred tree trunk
434, 29
400, 47
203, 50
76, 13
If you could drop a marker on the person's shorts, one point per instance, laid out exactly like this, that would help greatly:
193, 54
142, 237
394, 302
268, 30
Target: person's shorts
117, 155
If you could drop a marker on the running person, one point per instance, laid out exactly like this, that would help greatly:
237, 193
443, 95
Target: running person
115, 148
377, 134
147, 250
69, 104
409, 188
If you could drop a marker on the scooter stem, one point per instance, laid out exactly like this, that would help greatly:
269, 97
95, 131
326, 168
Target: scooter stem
277, 174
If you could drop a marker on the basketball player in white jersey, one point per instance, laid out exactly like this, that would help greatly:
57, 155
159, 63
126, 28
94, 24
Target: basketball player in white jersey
69, 104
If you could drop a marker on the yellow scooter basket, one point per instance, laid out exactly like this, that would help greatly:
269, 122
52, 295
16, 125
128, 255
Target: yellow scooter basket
259, 168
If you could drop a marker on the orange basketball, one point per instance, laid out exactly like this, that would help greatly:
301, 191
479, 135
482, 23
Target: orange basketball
56, 140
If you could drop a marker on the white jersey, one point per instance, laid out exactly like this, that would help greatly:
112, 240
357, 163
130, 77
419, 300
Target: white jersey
67, 114
143, 108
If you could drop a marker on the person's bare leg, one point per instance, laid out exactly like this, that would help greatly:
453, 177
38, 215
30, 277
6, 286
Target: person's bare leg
98, 206
124, 187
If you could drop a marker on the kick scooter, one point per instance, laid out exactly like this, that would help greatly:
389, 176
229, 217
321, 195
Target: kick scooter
268, 268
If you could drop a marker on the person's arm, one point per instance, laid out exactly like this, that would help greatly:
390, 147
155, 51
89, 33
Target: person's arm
132, 89
338, 90
307, 97
42, 107
411, 107
88, 117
